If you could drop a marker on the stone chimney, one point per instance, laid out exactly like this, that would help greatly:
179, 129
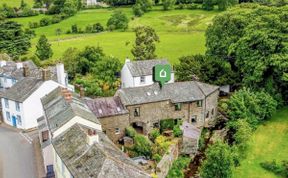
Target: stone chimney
61, 78
67, 94
82, 92
26, 71
92, 137
45, 74
127, 60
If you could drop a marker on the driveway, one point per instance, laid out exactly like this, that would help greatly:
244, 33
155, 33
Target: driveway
16, 155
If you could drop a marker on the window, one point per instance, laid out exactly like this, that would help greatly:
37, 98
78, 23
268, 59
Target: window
19, 121
212, 112
45, 136
6, 103
142, 79
8, 116
194, 119
207, 115
17, 106
199, 103
117, 130
178, 107
136, 112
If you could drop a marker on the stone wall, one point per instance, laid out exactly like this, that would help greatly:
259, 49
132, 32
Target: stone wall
167, 160
211, 104
109, 125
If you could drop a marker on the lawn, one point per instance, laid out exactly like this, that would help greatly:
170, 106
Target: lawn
16, 3
270, 141
181, 32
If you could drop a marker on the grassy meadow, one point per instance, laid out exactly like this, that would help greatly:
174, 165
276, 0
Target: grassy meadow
16, 3
181, 32
270, 141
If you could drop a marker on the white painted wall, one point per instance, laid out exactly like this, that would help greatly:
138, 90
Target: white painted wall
13, 112
60, 168
32, 106
126, 77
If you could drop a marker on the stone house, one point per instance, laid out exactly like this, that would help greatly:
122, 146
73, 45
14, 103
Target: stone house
73, 143
112, 114
140, 73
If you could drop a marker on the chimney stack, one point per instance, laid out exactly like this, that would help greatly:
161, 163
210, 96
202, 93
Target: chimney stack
26, 71
45, 74
82, 92
67, 94
92, 137
61, 77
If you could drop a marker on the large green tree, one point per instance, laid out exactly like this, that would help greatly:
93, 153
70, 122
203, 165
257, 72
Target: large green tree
145, 43
168, 4
142, 6
13, 39
218, 163
43, 48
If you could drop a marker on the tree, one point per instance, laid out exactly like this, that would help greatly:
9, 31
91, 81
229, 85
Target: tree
70, 59
142, 146
118, 20
208, 5
43, 48
219, 161
168, 4
70, 7
13, 40
206, 69
145, 46
142, 6
222, 5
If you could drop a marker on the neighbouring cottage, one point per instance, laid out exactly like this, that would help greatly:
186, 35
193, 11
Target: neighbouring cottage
140, 73
73, 144
112, 114
21, 103
193, 102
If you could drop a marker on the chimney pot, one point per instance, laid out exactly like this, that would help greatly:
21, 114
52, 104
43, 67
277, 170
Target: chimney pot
82, 92
26, 71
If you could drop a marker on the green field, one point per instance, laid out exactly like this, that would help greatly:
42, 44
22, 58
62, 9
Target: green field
270, 141
16, 3
181, 32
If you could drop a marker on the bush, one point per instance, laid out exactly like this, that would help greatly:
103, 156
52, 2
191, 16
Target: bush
130, 131
161, 145
56, 19
177, 132
178, 166
137, 10
88, 29
157, 157
154, 134
33, 25
97, 27
274, 167
142, 146
192, 6
167, 124
181, 6
45, 22
118, 20
27, 12
74, 28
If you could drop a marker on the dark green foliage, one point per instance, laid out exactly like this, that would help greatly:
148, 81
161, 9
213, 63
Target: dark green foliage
45, 21
252, 39
119, 2
177, 132
118, 20
219, 161
145, 47
208, 5
13, 40
142, 6
142, 146
154, 133
8, 12
137, 10
97, 27
178, 167
74, 28
206, 69
33, 25
252, 106
167, 124
67, 7
43, 48
278, 169
168, 4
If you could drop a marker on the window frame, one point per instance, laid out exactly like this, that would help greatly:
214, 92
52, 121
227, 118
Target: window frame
117, 130
6, 103
17, 106
8, 118
142, 79
178, 106
199, 103
19, 119
135, 111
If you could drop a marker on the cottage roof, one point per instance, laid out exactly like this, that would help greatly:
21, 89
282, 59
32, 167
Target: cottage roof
177, 92
142, 68
22, 89
190, 131
102, 159
59, 111
108, 106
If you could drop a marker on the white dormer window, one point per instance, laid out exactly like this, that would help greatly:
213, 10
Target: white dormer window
100, 111
142, 79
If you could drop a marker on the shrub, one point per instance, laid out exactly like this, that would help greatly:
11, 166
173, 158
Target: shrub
154, 134
97, 27
45, 22
56, 19
178, 166
33, 25
161, 145
142, 146
137, 10
177, 132
181, 6
192, 6
118, 20
88, 29
273, 167
130, 131
74, 28
157, 157
166, 124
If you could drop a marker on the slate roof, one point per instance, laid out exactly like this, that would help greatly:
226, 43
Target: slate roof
142, 68
59, 111
11, 70
108, 106
22, 89
102, 159
178, 92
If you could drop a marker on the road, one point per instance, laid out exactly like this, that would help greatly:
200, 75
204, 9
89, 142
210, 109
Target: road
16, 155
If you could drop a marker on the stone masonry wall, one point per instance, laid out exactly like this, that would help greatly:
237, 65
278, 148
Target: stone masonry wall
211, 104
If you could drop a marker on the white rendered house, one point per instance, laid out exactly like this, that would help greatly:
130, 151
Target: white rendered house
140, 73
21, 105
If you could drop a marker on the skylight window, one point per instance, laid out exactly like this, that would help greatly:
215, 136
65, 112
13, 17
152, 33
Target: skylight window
100, 111
148, 93
156, 92
118, 109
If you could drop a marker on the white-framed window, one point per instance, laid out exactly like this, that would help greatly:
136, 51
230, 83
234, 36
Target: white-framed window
117, 130
136, 112
8, 116
142, 79
17, 105
199, 103
19, 120
6, 103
